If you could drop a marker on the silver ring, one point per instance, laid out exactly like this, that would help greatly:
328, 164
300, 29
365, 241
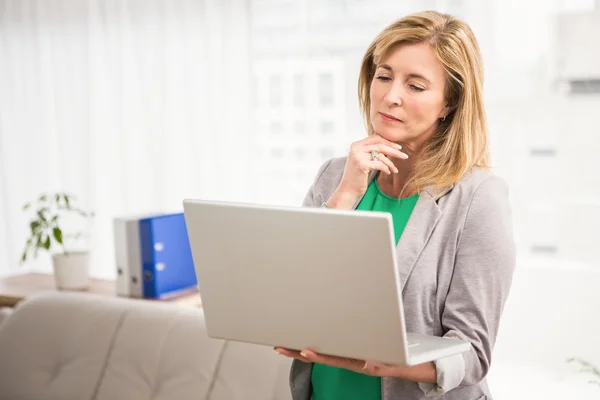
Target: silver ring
374, 154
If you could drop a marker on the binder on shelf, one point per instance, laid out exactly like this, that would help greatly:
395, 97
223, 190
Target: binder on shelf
128, 256
153, 255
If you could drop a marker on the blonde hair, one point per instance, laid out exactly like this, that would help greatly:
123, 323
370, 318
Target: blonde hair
460, 141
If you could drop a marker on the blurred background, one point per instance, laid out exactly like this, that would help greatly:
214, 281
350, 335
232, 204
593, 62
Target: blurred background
132, 106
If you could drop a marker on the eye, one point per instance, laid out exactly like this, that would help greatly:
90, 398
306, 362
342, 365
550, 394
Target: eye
416, 88
384, 78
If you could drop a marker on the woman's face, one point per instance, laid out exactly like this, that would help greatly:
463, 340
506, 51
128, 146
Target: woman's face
407, 95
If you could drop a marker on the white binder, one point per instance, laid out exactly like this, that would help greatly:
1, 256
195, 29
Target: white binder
128, 257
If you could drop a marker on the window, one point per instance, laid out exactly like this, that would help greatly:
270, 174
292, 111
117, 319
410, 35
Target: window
544, 249
277, 152
326, 127
275, 91
276, 128
325, 83
299, 90
326, 153
300, 153
543, 152
300, 127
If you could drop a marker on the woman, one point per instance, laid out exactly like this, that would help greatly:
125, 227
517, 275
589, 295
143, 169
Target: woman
425, 162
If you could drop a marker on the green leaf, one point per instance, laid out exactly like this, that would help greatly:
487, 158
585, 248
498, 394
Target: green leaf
26, 206
47, 243
34, 226
57, 235
24, 256
43, 197
67, 201
40, 213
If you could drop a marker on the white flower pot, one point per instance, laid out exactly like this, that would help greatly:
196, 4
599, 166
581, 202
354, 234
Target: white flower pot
71, 270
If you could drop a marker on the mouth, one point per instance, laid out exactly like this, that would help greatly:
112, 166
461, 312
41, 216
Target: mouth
388, 117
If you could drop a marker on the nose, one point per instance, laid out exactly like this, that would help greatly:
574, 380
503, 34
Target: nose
394, 94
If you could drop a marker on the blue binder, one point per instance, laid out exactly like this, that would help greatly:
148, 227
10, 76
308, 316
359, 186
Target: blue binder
167, 264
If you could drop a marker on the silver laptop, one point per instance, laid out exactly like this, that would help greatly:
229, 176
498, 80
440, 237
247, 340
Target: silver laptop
299, 277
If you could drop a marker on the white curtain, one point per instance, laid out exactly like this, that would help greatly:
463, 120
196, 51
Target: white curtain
130, 105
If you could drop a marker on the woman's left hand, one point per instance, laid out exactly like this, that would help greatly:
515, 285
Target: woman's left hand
363, 367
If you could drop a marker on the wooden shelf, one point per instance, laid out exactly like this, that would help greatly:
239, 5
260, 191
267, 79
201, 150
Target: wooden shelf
15, 288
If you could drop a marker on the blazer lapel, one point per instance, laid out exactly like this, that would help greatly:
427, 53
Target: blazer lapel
421, 223
419, 227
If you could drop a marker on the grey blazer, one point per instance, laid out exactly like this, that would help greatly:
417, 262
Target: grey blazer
456, 259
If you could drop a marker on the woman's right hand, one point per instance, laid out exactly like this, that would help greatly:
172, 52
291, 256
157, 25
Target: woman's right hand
359, 165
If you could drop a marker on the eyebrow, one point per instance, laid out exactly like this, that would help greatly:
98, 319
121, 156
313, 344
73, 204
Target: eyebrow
387, 67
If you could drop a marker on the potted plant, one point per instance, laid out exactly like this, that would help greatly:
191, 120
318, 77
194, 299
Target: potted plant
587, 368
51, 213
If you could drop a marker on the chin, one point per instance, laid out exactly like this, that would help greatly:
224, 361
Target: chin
393, 135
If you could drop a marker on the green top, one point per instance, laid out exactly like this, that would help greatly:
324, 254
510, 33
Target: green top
331, 383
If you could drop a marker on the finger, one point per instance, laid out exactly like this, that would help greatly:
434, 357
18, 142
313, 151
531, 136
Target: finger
291, 353
298, 357
378, 165
287, 352
386, 149
382, 158
377, 138
366, 162
311, 355
372, 368
380, 139
340, 362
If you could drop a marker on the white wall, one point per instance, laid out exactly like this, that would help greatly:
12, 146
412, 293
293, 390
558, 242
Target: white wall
551, 315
